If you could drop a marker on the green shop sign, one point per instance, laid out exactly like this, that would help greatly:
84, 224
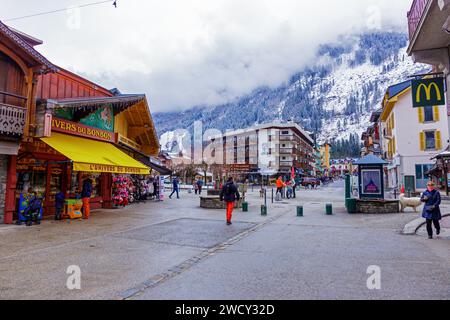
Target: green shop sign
102, 118
428, 92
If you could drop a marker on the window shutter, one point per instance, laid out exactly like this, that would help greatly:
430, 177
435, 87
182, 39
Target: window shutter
394, 146
393, 121
436, 113
438, 140
421, 112
422, 141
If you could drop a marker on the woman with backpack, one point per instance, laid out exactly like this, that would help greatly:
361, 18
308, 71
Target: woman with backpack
230, 194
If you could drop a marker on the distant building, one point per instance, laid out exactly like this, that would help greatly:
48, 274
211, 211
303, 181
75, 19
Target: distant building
429, 35
342, 166
325, 154
372, 138
268, 150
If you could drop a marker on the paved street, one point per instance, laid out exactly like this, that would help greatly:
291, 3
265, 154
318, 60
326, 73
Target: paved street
175, 250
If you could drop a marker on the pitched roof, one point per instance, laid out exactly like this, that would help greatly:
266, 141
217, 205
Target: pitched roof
24, 43
370, 159
398, 88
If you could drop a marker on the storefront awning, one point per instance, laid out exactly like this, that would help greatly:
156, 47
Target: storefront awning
95, 156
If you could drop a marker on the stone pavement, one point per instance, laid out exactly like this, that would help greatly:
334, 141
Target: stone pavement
175, 250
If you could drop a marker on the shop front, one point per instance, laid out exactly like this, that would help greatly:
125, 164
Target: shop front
62, 161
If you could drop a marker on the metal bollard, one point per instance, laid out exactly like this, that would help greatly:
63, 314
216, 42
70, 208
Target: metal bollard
263, 210
245, 206
329, 209
300, 211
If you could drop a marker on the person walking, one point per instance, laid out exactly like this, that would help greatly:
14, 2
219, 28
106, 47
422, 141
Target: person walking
196, 187
431, 210
176, 188
230, 194
280, 185
200, 186
59, 205
86, 193
294, 187
155, 187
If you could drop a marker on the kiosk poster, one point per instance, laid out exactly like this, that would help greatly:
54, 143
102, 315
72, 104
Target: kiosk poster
371, 182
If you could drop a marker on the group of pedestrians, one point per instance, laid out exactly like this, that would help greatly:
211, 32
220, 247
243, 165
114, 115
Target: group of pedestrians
198, 187
229, 194
287, 189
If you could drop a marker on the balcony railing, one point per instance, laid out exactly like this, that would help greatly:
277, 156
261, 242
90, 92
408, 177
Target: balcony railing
415, 16
12, 120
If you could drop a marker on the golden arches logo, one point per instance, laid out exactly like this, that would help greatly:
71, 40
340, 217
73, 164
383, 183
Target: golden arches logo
428, 91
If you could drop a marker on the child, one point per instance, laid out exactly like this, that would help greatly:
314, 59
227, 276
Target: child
59, 205
289, 190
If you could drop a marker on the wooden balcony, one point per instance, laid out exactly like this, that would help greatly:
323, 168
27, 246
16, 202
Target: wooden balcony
12, 120
415, 15
128, 142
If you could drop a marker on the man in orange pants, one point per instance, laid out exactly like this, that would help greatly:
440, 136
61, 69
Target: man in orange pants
230, 195
86, 193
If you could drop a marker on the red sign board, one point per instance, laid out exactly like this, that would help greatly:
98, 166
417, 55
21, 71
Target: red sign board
77, 129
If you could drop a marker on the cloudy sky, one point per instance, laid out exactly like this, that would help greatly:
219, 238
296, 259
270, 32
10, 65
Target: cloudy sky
183, 53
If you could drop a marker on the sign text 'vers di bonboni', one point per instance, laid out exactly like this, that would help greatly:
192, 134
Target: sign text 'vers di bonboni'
76, 129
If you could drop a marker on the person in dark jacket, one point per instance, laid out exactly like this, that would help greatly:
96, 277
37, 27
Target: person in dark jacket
59, 205
176, 188
200, 186
230, 195
86, 193
431, 210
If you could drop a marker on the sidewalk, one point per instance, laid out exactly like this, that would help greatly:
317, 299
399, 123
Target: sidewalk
115, 249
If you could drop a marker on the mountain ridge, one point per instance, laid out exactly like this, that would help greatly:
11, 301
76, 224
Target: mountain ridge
333, 98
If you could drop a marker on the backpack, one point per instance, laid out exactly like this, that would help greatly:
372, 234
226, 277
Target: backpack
228, 190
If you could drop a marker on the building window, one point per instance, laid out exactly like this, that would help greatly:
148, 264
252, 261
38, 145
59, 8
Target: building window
430, 140
285, 132
429, 114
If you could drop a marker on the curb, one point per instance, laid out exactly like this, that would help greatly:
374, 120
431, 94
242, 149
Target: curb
414, 226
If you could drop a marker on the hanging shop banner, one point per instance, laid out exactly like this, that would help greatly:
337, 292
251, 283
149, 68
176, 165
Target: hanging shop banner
77, 129
102, 168
102, 119
428, 92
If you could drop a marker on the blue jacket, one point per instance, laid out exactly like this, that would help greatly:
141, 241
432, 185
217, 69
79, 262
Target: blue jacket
86, 192
434, 199
59, 200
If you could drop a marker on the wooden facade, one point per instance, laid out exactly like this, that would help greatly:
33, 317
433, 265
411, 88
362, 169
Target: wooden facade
30, 89
65, 84
20, 65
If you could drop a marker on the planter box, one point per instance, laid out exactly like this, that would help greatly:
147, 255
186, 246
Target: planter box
378, 206
213, 202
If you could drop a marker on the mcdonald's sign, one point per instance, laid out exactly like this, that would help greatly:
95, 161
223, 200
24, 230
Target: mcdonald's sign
428, 92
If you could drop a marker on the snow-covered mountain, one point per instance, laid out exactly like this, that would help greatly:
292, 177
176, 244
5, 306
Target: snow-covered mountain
333, 98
